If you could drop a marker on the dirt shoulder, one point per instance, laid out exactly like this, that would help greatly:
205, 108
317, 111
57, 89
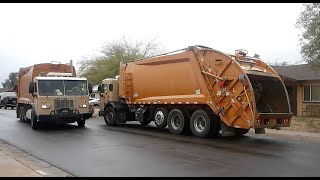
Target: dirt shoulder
304, 124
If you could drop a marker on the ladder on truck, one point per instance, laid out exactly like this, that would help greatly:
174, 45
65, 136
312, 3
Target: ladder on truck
128, 85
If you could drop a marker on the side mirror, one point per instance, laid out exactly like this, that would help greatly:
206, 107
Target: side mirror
90, 88
99, 88
31, 87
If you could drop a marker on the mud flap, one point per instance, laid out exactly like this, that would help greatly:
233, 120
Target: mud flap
226, 130
141, 115
121, 117
260, 130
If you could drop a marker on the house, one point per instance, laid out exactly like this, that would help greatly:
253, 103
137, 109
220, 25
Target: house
303, 86
95, 93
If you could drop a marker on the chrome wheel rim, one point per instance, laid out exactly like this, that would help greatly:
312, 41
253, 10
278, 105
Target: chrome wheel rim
175, 122
159, 117
199, 123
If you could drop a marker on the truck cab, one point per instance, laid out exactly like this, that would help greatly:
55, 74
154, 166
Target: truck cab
59, 100
109, 91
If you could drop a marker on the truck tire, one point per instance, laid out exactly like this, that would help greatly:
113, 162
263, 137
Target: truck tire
22, 114
33, 122
81, 123
201, 124
160, 117
177, 121
240, 131
5, 106
110, 116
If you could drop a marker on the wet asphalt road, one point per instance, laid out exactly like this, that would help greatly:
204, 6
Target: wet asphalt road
132, 150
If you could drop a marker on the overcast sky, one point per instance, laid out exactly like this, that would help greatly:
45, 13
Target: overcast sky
39, 33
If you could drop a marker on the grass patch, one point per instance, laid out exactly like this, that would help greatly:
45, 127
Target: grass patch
305, 124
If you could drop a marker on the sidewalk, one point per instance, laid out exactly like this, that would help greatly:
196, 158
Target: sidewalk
16, 163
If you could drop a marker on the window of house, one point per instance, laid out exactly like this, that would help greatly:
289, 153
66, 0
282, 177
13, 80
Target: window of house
311, 93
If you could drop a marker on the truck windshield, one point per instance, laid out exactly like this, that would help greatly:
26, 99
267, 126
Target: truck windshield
50, 87
62, 87
76, 87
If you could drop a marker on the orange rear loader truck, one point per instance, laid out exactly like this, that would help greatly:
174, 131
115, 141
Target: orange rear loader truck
200, 90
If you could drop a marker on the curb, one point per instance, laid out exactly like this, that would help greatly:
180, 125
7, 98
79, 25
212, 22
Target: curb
39, 166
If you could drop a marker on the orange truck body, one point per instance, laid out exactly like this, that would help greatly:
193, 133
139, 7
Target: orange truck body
241, 92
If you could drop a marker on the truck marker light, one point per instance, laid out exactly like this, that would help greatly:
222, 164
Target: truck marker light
165, 102
172, 102
187, 102
195, 102
82, 105
154, 102
179, 102
45, 106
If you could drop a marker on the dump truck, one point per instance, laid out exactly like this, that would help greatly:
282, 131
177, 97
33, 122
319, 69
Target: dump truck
200, 90
51, 92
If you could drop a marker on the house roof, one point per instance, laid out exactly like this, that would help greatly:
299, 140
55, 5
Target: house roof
299, 72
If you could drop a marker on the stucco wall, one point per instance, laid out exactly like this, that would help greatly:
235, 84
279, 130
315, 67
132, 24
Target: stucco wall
300, 103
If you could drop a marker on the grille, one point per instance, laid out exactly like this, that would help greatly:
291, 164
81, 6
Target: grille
64, 103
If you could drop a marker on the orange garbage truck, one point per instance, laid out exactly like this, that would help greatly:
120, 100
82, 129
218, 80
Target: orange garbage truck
199, 89
51, 92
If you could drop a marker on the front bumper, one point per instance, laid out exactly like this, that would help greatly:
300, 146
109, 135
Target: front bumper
64, 116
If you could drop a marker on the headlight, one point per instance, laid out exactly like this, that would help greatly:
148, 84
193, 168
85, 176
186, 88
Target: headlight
45, 106
82, 106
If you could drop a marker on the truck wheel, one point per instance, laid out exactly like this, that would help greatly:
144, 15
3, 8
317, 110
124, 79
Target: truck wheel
34, 123
110, 116
5, 106
177, 121
22, 114
200, 123
160, 117
240, 131
12, 107
81, 123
